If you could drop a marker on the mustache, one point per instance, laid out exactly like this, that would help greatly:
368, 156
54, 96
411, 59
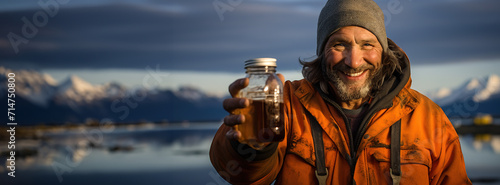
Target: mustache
348, 69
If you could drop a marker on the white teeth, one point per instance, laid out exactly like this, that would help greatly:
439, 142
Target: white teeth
354, 74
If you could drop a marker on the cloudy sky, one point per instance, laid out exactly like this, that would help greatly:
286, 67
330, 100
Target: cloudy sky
203, 43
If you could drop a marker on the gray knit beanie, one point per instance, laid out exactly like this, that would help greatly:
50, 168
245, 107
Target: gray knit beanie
340, 13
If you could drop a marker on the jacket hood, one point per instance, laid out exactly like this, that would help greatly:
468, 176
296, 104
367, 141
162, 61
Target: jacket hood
397, 81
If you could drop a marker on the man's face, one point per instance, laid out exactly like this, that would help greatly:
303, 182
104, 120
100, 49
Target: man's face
353, 57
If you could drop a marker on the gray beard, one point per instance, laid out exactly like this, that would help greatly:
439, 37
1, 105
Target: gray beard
345, 92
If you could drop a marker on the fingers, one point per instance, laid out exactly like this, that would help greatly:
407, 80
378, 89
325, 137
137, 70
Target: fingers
233, 134
231, 120
237, 85
232, 104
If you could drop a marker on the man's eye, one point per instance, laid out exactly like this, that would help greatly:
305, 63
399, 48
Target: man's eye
367, 45
339, 46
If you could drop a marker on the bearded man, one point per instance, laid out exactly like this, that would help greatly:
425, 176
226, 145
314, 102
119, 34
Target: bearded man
353, 119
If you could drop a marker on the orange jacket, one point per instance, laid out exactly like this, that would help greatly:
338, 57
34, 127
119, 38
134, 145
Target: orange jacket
430, 147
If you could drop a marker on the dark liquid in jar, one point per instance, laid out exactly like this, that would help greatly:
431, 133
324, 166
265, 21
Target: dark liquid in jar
263, 122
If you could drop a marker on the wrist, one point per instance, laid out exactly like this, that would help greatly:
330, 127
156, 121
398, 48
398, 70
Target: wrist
251, 154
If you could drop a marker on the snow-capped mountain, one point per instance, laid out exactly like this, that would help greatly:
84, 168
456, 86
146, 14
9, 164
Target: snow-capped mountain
35, 87
477, 95
78, 91
190, 93
40, 89
479, 89
40, 99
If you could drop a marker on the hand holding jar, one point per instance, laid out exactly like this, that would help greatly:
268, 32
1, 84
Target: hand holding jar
256, 109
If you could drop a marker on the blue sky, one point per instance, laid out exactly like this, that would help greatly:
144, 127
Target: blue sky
198, 44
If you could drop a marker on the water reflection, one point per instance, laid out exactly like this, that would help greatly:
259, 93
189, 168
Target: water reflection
173, 154
487, 140
482, 157
65, 156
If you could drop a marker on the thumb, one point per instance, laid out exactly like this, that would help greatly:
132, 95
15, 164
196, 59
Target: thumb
282, 78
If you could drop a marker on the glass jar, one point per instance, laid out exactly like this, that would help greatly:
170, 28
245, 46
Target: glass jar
264, 122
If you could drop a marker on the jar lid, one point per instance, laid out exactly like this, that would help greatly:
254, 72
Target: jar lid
258, 62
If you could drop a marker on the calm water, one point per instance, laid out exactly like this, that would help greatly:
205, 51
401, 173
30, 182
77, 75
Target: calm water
174, 154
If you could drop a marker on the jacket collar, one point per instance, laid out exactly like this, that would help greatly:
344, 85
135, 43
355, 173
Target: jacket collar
330, 121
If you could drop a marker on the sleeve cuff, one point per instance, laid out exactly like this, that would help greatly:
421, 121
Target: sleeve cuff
251, 154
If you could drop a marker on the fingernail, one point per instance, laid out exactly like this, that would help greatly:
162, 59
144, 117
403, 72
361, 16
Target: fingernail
237, 135
243, 102
241, 119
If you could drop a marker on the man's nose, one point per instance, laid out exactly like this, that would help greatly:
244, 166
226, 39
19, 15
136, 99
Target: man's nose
354, 58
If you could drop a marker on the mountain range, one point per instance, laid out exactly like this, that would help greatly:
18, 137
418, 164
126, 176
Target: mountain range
475, 96
41, 100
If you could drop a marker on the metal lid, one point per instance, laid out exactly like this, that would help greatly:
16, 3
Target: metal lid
257, 62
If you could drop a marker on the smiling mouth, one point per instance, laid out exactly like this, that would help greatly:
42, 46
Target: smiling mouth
354, 74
